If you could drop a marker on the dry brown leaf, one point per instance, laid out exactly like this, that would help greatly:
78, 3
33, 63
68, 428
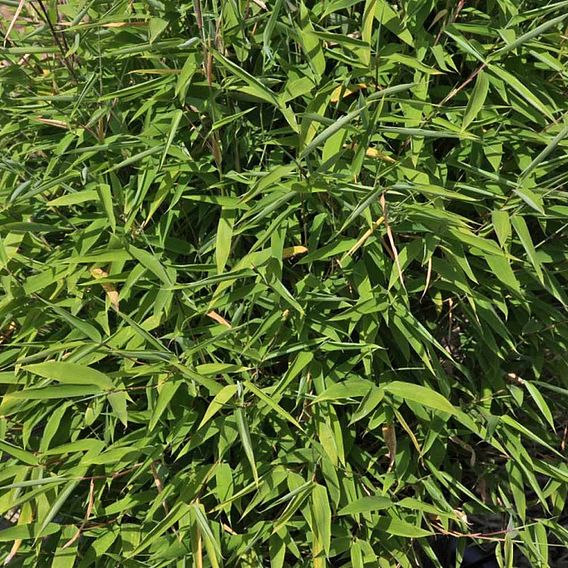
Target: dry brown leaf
410, 433
14, 19
25, 517
6, 333
219, 319
109, 288
13, 551
159, 486
228, 529
462, 516
389, 434
51, 122
90, 506
514, 378
391, 240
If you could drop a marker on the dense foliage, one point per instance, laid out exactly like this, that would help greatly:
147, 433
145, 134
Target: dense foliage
284, 284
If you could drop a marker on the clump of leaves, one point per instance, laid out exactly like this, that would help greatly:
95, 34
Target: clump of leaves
283, 283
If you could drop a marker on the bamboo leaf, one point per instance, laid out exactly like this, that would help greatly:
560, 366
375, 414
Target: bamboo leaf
71, 373
477, 100
366, 505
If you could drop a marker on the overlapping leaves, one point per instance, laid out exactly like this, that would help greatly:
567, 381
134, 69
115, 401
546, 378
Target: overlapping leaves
284, 283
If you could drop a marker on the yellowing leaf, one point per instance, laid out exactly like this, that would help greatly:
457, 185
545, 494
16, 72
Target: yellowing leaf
294, 251
341, 92
372, 153
377, 155
124, 24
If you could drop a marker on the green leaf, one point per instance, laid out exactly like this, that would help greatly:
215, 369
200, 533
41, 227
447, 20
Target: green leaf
224, 237
523, 91
523, 233
71, 374
167, 392
540, 402
244, 182
421, 395
203, 524
118, 402
28, 531
150, 262
502, 226
551, 146
310, 43
244, 433
189, 68
398, 527
55, 507
256, 87
390, 19
272, 404
327, 440
75, 198
368, 404
477, 99
176, 119
351, 388
331, 130
502, 269
54, 392
349, 117
18, 453
321, 514
220, 399
531, 34
156, 27
105, 196
85, 328
367, 504
530, 198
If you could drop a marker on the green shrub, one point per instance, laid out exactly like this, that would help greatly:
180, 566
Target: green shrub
284, 284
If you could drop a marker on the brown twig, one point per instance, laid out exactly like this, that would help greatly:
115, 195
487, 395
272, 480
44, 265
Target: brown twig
56, 37
87, 516
451, 20
159, 486
456, 90
391, 238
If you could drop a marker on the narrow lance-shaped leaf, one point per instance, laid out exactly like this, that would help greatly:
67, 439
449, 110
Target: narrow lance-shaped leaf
477, 99
246, 442
71, 373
